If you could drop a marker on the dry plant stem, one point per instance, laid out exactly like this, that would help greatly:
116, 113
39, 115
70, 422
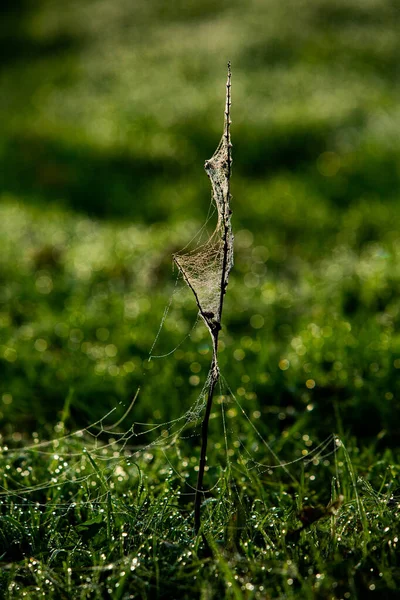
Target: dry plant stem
206, 272
214, 376
214, 322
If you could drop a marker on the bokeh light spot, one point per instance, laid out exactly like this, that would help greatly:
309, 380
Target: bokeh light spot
257, 321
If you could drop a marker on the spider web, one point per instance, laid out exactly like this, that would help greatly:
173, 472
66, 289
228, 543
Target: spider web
101, 455
77, 457
206, 269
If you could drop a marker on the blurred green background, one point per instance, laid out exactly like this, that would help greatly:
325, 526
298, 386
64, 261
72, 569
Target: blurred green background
108, 111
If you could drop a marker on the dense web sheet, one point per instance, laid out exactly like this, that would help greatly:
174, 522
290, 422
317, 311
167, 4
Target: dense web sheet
206, 269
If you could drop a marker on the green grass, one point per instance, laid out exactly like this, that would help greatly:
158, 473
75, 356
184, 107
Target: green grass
108, 114
99, 524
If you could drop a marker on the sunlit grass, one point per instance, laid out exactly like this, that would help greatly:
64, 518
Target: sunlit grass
300, 354
108, 113
85, 523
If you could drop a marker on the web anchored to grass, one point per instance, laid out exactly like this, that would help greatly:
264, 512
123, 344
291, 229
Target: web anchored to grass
58, 476
206, 270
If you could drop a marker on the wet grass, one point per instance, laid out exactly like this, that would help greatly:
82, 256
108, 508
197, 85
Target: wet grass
107, 117
310, 348
107, 524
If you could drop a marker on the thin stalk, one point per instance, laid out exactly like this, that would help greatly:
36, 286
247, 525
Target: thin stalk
214, 376
214, 325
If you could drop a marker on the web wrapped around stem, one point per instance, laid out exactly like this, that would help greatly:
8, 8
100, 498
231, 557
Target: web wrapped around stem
206, 269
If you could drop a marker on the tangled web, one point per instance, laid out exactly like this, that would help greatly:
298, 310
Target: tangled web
101, 456
206, 268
